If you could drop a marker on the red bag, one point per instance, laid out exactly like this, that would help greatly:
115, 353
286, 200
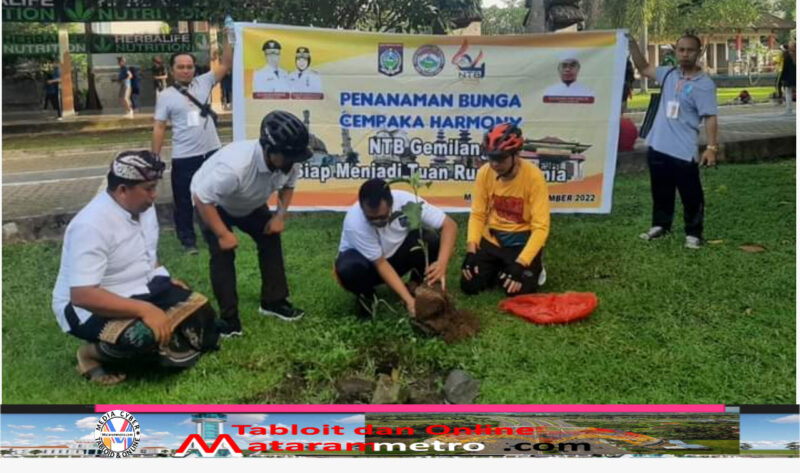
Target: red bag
551, 308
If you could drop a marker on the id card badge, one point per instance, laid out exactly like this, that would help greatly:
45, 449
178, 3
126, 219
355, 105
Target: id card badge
673, 106
193, 118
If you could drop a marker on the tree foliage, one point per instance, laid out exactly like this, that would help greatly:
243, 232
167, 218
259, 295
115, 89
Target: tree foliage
745, 446
508, 19
667, 19
407, 16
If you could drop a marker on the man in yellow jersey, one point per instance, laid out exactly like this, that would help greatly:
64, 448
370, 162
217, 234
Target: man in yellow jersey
510, 219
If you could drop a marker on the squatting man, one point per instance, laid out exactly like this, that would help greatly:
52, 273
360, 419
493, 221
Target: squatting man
113, 292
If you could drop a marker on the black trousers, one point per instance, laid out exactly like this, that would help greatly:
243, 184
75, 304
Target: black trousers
667, 174
183, 170
274, 287
491, 260
358, 275
55, 101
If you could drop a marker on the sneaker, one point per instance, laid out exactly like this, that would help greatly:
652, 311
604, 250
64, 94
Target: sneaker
542, 277
229, 327
693, 243
653, 233
283, 310
190, 249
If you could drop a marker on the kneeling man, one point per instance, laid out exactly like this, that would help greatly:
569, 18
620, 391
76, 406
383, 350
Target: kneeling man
111, 289
378, 247
509, 221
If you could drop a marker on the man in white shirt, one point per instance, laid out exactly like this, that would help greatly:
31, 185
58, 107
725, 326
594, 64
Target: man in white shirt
232, 189
305, 81
377, 245
186, 105
569, 90
111, 289
271, 78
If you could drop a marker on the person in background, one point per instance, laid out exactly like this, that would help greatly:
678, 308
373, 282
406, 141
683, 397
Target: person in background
124, 77
159, 76
186, 105
689, 97
134, 86
52, 95
788, 76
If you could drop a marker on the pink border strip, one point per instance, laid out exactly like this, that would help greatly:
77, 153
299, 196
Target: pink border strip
401, 408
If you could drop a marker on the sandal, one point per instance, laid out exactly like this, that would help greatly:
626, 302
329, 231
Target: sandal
90, 367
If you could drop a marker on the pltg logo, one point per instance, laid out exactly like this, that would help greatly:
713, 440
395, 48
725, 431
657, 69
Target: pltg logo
117, 434
469, 68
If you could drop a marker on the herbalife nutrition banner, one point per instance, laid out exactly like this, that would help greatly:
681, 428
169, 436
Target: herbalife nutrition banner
382, 105
47, 44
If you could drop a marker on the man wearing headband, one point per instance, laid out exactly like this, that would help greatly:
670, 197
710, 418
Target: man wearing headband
232, 189
271, 78
569, 90
113, 292
304, 80
510, 219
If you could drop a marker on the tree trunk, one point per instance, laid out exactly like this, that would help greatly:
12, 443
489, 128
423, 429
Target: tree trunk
65, 61
535, 20
645, 49
92, 99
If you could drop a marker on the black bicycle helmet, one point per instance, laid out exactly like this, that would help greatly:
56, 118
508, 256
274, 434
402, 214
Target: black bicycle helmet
282, 132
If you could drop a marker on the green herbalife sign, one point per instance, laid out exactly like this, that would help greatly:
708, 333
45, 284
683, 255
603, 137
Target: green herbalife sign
82, 11
47, 44
144, 43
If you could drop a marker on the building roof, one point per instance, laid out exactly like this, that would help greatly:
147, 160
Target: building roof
41, 446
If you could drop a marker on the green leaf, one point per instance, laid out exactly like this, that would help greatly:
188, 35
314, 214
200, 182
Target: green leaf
413, 211
79, 14
103, 44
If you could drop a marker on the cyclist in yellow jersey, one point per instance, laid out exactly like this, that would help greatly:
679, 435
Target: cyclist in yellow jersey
510, 219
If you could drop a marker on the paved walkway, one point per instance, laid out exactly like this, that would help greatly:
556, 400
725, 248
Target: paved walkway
59, 181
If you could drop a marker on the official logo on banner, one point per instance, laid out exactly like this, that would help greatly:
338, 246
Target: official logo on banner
117, 434
390, 58
469, 68
429, 60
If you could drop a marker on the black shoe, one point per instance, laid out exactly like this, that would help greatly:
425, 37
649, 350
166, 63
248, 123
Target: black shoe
190, 249
229, 327
283, 310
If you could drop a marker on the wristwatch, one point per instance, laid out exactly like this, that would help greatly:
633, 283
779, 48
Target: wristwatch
713, 148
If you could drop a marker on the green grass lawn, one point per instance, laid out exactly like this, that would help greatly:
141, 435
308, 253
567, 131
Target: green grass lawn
771, 453
726, 95
673, 326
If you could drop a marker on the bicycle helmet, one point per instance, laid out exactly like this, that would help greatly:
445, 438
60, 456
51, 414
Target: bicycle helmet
282, 132
503, 140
